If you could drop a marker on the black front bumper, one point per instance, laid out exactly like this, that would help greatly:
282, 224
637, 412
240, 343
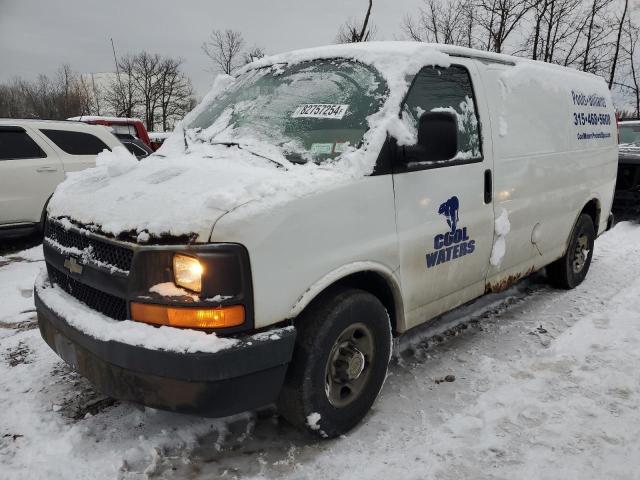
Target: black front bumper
244, 377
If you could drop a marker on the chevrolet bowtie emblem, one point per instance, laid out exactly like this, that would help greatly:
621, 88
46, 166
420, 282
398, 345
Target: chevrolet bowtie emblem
73, 266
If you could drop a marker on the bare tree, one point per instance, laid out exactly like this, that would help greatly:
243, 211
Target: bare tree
121, 95
13, 102
596, 36
614, 62
57, 97
449, 22
631, 53
146, 78
175, 91
152, 87
499, 18
224, 49
354, 32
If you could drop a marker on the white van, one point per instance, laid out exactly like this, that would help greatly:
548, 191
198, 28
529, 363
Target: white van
313, 207
35, 155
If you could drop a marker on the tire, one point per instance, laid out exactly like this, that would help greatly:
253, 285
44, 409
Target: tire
569, 271
328, 398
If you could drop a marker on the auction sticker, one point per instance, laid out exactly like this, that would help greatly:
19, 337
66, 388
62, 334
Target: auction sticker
320, 110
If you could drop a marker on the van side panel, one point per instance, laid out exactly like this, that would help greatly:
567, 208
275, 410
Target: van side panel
301, 244
554, 139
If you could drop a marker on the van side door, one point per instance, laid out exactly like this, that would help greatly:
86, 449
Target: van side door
444, 211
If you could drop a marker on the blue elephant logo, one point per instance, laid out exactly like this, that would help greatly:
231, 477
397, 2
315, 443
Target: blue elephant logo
450, 210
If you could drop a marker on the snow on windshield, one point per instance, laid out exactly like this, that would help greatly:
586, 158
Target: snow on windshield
313, 110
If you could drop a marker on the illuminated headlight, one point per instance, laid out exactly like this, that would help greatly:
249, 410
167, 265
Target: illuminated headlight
187, 272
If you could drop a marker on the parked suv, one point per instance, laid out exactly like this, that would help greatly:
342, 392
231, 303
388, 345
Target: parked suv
313, 207
35, 155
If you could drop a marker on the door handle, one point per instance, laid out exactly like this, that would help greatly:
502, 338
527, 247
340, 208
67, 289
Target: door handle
46, 169
488, 187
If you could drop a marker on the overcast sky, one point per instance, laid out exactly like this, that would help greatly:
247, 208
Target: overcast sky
37, 36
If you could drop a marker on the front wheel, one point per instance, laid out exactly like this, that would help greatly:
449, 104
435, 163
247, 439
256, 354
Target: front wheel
339, 363
569, 271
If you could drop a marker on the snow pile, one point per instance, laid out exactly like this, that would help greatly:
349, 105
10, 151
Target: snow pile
182, 190
313, 419
502, 229
116, 162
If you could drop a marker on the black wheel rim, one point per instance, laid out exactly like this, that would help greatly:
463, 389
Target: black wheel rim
349, 365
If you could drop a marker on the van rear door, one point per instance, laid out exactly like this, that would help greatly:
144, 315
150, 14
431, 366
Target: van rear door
444, 211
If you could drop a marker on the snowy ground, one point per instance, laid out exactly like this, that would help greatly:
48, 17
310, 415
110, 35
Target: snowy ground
547, 385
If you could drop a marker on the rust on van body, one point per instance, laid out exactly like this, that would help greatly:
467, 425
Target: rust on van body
507, 282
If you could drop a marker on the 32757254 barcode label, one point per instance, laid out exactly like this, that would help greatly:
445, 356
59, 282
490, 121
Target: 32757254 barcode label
320, 110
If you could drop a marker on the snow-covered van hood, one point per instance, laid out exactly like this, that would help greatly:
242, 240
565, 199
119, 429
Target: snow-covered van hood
183, 193
185, 188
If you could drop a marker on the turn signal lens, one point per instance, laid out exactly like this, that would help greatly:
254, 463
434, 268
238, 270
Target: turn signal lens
187, 272
189, 317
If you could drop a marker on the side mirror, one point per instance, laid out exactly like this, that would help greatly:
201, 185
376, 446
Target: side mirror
437, 138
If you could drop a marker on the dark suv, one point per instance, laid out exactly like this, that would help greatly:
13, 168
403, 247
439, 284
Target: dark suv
627, 197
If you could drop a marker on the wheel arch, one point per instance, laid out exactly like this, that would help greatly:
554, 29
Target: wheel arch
43, 215
371, 277
593, 208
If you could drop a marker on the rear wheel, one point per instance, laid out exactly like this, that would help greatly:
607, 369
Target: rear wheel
339, 363
569, 271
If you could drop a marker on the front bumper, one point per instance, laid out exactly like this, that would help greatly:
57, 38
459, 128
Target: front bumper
243, 377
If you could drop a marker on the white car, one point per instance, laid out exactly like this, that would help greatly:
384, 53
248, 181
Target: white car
35, 155
313, 207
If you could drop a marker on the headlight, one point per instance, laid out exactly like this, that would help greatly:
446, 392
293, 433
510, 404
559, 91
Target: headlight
187, 272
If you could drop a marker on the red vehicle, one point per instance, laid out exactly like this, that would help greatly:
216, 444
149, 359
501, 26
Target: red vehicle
120, 126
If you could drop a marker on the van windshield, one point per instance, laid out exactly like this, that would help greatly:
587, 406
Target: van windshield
313, 110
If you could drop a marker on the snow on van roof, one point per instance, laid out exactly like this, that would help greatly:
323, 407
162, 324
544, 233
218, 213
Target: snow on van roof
390, 53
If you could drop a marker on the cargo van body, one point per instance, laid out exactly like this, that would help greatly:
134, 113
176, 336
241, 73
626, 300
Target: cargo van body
426, 176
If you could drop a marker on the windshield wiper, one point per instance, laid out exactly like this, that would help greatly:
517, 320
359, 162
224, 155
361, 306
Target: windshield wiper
243, 147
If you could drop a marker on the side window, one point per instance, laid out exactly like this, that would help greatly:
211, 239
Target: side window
446, 89
76, 143
135, 149
16, 144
